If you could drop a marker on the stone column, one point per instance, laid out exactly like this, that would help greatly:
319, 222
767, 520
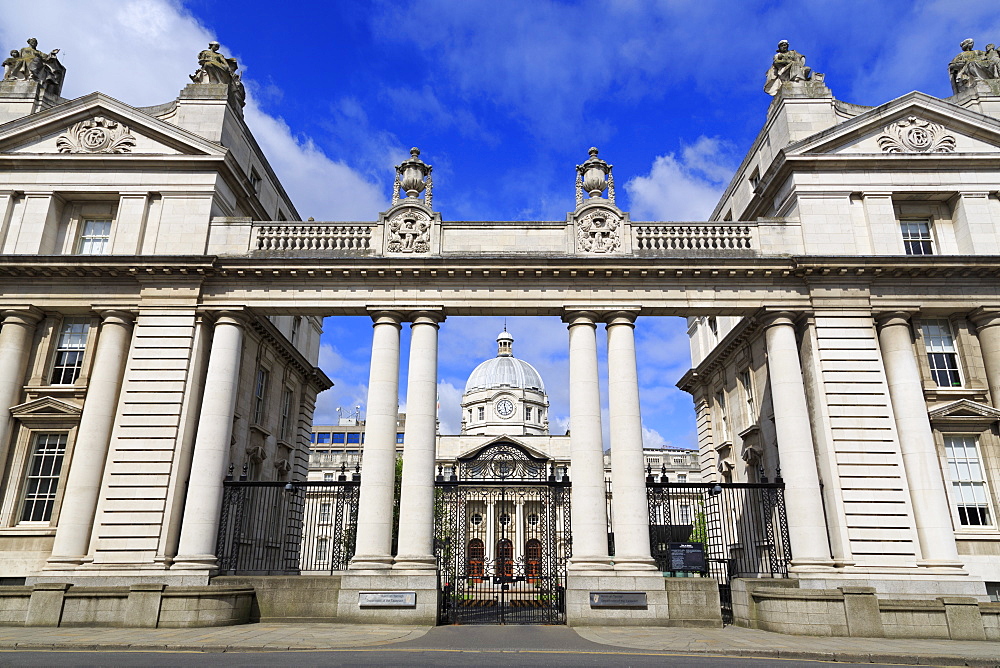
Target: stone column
90, 452
589, 519
15, 344
200, 526
629, 505
988, 327
374, 540
796, 452
416, 501
916, 442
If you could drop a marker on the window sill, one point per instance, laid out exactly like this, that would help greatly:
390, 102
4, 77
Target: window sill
934, 394
29, 529
986, 533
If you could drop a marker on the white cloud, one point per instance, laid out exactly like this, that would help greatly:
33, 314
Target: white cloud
450, 410
684, 187
142, 51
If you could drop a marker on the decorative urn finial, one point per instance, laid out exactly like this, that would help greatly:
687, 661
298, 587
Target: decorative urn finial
594, 176
413, 176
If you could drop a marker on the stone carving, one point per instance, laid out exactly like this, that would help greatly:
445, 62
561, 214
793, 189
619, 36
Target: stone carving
972, 66
215, 68
409, 231
98, 135
30, 64
915, 135
594, 176
413, 176
599, 231
787, 66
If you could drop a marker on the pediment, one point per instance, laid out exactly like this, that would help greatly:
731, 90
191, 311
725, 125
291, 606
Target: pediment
913, 125
46, 409
964, 412
99, 125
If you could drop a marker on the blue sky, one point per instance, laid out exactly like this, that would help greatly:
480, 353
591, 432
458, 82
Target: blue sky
504, 98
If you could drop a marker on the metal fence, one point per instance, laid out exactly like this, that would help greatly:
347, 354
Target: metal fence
278, 528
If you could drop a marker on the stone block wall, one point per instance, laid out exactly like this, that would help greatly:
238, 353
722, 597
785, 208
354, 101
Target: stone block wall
686, 602
292, 598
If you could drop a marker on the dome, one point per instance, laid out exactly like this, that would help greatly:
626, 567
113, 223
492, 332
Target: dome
505, 370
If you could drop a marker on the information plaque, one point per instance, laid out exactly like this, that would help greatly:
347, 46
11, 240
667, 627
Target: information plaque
687, 557
387, 599
618, 599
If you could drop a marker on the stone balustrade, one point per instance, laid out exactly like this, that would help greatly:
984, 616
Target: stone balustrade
283, 236
694, 236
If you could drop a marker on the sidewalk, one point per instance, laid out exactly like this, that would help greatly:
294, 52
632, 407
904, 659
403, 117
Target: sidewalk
729, 641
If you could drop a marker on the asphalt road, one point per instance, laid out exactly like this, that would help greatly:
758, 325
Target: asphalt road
482, 646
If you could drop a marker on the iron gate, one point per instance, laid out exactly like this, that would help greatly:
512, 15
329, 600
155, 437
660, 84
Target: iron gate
502, 537
742, 526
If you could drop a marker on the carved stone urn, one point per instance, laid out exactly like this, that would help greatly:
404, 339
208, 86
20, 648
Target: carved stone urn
412, 174
594, 173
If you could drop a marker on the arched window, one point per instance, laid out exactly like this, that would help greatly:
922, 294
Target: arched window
477, 554
505, 558
533, 558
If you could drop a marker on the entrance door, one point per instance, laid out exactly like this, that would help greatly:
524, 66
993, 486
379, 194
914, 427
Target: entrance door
502, 527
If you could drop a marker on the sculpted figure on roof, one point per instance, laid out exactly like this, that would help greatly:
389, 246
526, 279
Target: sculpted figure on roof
787, 65
30, 64
973, 65
213, 67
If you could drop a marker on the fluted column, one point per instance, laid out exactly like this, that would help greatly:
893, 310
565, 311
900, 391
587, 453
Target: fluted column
988, 327
916, 442
90, 452
796, 452
374, 540
628, 476
15, 344
416, 501
589, 518
200, 526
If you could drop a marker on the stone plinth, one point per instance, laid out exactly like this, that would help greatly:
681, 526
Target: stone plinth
425, 611
688, 602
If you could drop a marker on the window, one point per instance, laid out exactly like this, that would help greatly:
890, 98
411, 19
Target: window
69, 351
713, 324
917, 237
327, 477
941, 353
747, 384
354, 437
322, 548
94, 237
312, 437
324, 513
755, 178
678, 460
340, 437
259, 395
255, 181
286, 414
482, 413
720, 404
323, 437
685, 515
682, 477
527, 413
296, 324
42, 481
968, 485
399, 438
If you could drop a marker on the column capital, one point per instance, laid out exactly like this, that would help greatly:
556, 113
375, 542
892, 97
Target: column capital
573, 318
426, 317
623, 317
770, 319
382, 316
115, 316
893, 318
22, 315
985, 316
227, 317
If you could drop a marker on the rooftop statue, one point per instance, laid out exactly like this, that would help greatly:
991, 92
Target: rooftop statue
30, 64
787, 66
972, 65
215, 68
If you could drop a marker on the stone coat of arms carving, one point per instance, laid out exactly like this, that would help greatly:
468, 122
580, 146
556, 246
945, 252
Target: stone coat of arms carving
599, 232
97, 135
409, 231
915, 135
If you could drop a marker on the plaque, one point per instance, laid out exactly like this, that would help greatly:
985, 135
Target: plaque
387, 599
618, 599
687, 557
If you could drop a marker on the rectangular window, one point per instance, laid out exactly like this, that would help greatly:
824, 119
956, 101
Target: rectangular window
917, 237
324, 513
323, 437
720, 404
340, 437
321, 548
255, 181
685, 515
69, 351
682, 477
312, 437
286, 414
941, 353
399, 438
259, 395
482, 413
327, 477
42, 480
353, 437
296, 323
678, 460
94, 237
527, 413
747, 384
968, 484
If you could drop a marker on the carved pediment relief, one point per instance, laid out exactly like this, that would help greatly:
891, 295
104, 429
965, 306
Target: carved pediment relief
964, 413
916, 135
99, 134
46, 410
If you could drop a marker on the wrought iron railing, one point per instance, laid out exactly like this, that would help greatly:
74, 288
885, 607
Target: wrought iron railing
278, 528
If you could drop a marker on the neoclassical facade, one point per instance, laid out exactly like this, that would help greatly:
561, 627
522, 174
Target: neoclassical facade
160, 333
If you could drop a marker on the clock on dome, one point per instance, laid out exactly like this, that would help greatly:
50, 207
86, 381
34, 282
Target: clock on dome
504, 408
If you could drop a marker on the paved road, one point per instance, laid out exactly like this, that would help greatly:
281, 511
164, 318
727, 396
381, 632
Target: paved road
482, 646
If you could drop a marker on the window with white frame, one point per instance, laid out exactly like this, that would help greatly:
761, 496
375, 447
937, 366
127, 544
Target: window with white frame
324, 512
95, 235
482, 412
917, 238
684, 517
322, 549
259, 395
942, 356
285, 428
720, 405
746, 382
70, 346
527, 413
969, 492
327, 477
42, 479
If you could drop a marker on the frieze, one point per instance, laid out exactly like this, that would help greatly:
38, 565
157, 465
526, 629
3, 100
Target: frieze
97, 135
916, 135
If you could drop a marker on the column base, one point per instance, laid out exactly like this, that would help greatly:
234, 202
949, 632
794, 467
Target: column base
586, 564
370, 562
811, 565
942, 566
631, 564
415, 563
64, 563
195, 562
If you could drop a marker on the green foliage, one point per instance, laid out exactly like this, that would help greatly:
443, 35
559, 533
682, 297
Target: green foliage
699, 532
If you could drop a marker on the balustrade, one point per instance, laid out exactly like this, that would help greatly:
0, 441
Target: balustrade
672, 236
318, 237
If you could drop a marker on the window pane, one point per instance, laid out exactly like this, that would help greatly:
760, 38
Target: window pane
968, 486
94, 237
42, 480
917, 237
942, 356
69, 351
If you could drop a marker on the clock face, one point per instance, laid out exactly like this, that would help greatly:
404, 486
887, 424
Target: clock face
505, 408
